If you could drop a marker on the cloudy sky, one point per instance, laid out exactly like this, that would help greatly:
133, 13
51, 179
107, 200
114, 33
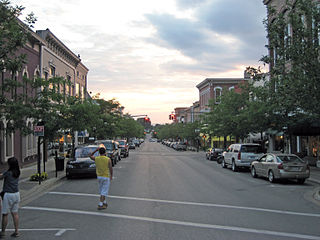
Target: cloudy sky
151, 54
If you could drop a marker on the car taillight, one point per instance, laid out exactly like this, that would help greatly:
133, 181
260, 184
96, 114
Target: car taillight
239, 156
280, 166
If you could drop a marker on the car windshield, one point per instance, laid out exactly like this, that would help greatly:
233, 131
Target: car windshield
122, 142
85, 152
288, 158
251, 149
108, 145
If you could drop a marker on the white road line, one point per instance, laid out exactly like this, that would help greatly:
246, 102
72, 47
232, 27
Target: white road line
195, 204
59, 233
181, 223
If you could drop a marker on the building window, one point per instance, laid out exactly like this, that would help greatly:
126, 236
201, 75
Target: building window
217, 94
52, 71
82, 92
30, 137
77, 89
231, 88
9, 145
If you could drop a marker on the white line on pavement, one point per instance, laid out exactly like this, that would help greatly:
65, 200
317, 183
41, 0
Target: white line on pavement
181, 223
59, 233
194, 204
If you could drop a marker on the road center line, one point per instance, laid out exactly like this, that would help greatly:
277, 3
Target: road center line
181, 223
194, 204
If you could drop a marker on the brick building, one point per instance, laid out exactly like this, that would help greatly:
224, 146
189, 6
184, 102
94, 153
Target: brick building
212, 88
47, 57
305, 139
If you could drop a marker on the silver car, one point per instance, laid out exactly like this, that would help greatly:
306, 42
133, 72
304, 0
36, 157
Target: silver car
280, 166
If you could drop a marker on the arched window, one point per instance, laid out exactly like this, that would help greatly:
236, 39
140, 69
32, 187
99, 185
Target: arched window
217, 94
231, 88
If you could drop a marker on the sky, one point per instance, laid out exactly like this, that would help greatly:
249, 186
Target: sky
150, 54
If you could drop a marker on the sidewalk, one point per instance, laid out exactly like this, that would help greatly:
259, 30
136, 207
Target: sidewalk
31, 189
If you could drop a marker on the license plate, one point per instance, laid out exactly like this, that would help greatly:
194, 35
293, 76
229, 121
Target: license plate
295, 169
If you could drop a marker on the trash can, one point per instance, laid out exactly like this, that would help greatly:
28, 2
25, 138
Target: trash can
59, 163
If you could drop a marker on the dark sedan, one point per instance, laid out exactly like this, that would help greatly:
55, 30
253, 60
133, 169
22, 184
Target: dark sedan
80, 163
214, 153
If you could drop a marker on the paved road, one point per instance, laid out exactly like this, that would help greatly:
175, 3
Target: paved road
159, 193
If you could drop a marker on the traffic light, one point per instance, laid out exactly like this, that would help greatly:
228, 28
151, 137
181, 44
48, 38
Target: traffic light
172, 116
147, 119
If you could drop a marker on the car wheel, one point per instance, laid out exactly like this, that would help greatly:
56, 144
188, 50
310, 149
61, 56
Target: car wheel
223, 164
271, 176
234, 166
253, 172
301, 181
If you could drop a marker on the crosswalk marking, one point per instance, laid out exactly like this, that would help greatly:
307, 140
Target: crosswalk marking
174, 222
59, 231
194, 204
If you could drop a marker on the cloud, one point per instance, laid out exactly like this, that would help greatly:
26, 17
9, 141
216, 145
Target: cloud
187, 4
223, 34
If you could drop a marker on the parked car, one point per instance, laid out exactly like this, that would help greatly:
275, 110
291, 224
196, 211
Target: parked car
241, 155
132, 145
280, 166
79, 162
124, 148
181, 146
136, 142
113, 151
214, 153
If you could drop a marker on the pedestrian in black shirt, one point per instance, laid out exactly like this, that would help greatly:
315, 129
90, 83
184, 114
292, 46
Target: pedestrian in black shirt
11, 197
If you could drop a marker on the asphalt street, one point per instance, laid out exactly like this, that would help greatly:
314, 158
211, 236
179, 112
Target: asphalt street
159, 193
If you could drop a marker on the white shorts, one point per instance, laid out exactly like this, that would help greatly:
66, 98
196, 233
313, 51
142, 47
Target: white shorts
10, 202
104, 184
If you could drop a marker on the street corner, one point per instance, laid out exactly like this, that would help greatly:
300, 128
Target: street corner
28, 195
313, 195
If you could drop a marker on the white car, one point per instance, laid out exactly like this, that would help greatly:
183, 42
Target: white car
241, 155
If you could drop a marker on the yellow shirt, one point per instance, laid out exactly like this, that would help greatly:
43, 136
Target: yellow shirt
102, 166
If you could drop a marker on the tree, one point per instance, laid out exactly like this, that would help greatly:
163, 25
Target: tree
230, 116
79, 115
13, 36
295, 64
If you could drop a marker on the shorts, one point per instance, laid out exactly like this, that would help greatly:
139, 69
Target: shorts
10, 202
104, 184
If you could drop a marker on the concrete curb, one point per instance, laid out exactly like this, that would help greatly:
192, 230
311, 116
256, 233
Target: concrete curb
316, 195
313, 180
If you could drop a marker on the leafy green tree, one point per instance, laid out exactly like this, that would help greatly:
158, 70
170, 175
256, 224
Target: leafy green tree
230, 116
295, 64
13, 37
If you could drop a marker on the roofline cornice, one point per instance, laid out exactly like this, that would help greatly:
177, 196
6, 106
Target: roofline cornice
219, 80
50, 37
